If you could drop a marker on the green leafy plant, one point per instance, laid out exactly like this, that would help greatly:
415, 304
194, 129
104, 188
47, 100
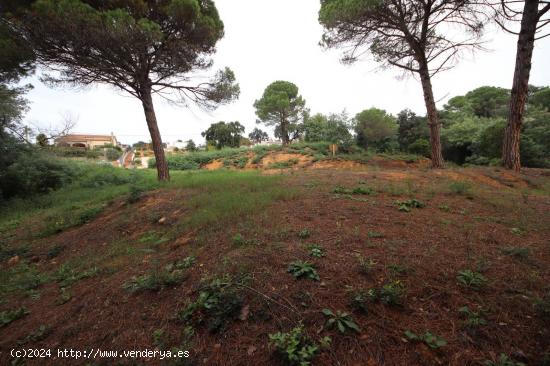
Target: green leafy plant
295, 347
341, 321
6, 317
473, 318
431, 340
303, 269
408, 205
317, 251
158, 278
471, 279
503, 360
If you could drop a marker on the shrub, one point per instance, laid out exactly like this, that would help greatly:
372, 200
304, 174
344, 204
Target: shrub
301, 269
420, 147
295, 347
33, 174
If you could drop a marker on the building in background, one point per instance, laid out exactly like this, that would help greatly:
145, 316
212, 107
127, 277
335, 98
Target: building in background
86, 141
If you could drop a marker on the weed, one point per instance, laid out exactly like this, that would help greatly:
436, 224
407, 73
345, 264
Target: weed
366, 265
471, 279
283, 164
517, 231
341, 320
157, 279
503, 360
8, 316
517, 252
444, 207
38, 335
473, 318
240, 241
356, 190
301, 269
431, 340
398, 269
390, 293
159, 338
317, 251
359, 300
22, 278
408, 205
295, 347
460, 187
304, 234
66, 276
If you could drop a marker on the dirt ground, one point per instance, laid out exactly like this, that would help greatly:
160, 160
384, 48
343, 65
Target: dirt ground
424, 249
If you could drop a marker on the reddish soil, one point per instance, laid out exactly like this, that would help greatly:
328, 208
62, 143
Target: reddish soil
430, 245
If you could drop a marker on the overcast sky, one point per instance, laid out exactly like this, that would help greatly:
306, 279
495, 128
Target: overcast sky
268, 40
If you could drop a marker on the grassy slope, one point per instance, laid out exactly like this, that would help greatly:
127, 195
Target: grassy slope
79, 246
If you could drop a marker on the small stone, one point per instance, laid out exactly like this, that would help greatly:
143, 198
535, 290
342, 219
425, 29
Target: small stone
162, 220
13, 260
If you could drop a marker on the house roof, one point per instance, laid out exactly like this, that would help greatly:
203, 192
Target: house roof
86, 137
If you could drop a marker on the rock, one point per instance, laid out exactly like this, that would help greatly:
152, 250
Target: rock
13, 260
162, 220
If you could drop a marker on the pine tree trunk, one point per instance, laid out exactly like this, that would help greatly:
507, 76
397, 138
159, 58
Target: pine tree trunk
520, 85
433, 120
162, 166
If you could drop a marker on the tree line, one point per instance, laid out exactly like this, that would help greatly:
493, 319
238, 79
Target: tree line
473, 126
147, 48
